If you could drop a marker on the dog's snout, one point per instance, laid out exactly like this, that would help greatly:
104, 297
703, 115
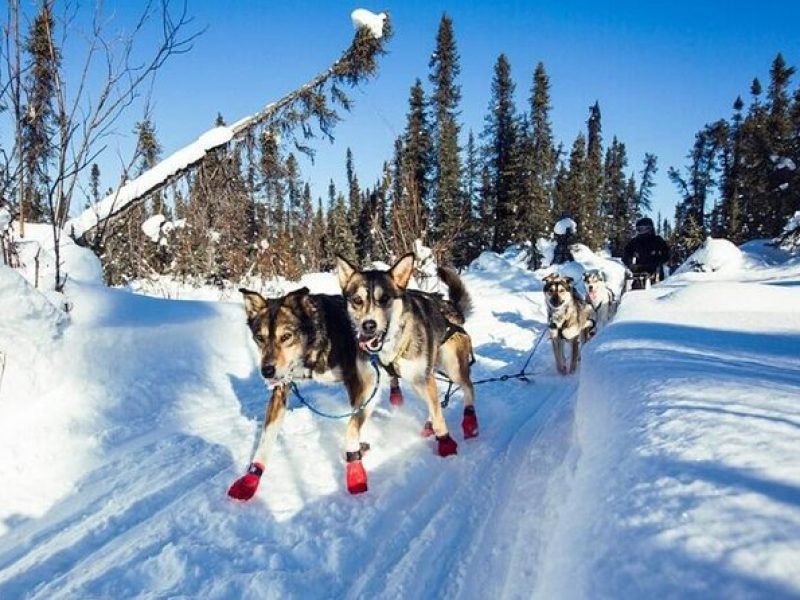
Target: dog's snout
268, 371
369, 326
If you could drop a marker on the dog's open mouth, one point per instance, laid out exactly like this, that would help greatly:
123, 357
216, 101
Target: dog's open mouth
372, 343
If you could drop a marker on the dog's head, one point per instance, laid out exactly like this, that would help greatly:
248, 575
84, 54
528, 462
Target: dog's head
594, 280
558, 290
279, 329
374, 298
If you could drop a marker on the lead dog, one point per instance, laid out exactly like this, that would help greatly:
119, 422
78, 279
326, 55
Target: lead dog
568, 319
413, 333
305, 335
599, 297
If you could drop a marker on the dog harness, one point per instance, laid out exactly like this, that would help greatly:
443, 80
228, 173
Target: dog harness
451, 330
612, 297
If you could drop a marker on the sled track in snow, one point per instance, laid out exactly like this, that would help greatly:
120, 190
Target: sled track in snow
88, 534
457, 506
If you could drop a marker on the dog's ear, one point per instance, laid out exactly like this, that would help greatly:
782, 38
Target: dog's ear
254, 303
402, 270
569, 281
298, 293
297, 298
344, 271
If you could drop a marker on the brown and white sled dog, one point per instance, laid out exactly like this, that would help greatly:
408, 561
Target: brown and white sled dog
599, 297
303, 335
568, 319
413, 333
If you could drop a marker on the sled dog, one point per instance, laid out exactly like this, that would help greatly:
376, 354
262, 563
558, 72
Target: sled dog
599, 297
303, 335
414, 333
568, 319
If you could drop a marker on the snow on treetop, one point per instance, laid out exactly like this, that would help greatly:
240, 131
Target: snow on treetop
563, 225
363, 18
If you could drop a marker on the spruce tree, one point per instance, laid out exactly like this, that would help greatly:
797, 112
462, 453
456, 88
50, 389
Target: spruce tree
755, 167
544, 160
644, 196
781, 197
617, 208
445, 97
354, 204
39, 120
471, 246
416, 166
571, 195
588, 216
500, 139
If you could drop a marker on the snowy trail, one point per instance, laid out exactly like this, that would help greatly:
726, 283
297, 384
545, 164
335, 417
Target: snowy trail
175, 404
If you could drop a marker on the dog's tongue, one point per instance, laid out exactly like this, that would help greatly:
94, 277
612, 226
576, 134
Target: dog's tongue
372, 344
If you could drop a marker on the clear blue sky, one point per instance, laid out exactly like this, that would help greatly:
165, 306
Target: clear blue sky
660, 70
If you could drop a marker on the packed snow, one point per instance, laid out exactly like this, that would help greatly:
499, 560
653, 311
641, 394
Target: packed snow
667, 467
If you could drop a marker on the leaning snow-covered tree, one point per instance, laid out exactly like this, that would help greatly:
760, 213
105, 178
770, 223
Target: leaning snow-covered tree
308, 111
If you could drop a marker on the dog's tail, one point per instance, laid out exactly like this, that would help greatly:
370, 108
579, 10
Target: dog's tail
458, 294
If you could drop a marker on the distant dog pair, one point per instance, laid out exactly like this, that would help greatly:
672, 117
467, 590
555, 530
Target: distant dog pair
330, 338
573, 320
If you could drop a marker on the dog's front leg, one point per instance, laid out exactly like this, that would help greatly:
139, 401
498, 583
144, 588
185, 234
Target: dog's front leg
358, 388
245, 487
426, 389
576, 353
558, 352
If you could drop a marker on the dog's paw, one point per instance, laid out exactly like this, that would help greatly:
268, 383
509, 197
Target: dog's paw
356, 477
427, 430
447, 445
563, 369
470, 423
396, 396
245, 487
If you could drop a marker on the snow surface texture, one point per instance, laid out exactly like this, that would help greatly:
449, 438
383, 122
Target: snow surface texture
361, 17
667, 468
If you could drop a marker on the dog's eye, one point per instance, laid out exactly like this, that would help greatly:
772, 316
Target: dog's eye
383, 300
260, 339
286, 337
356, 301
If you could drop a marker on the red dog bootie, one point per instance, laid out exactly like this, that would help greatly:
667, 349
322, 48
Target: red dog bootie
245, 487
447, 445
355, 473
396, 396
470, 423
427, 430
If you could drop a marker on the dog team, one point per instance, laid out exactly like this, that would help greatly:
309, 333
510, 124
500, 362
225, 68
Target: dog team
412, 334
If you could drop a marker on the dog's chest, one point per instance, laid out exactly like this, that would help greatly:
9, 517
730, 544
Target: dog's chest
328, 376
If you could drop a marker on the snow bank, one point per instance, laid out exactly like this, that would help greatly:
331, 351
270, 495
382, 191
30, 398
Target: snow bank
713, 256
687, 422
77, 263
